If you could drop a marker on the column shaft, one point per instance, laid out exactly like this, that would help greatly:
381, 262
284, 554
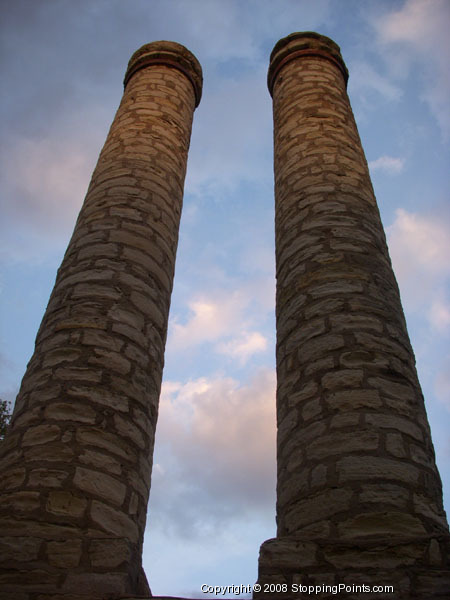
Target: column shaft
354, 453
77, 460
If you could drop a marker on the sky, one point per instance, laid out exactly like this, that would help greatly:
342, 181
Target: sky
62, 63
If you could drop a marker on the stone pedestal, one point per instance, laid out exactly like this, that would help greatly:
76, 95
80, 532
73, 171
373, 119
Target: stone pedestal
359, 497
76, 463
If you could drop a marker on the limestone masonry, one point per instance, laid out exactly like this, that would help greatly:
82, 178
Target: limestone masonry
77, 460
359, 498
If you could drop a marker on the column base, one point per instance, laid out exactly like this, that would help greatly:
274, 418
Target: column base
297, 567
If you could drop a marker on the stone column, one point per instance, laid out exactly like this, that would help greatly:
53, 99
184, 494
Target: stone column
359, 498
76, 465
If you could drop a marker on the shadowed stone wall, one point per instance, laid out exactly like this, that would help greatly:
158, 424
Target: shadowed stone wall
76, 463
359, 498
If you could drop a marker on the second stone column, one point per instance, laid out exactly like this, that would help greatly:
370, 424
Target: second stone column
359, 497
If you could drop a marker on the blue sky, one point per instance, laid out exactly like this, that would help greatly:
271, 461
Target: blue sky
213, 489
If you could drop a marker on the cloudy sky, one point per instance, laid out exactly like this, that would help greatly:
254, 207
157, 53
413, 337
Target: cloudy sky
213, 488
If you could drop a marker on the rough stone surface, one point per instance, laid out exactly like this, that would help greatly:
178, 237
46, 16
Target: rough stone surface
354, 454
77, 457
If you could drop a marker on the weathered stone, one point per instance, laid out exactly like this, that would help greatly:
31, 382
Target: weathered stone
316, 508
108, 441
65, 411
381, 523
96, 585
114, 521
65, 554
386, 494
102, 461
129, 430
102, 396
344, 378
21, 549
53, 478
342, 444
353, 399
13, 478
373, 467
100, 484
20, 501
41, 434
109, 553
66, 504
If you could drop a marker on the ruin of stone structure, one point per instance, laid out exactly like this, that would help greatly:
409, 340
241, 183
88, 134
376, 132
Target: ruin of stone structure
359, 499
77, 459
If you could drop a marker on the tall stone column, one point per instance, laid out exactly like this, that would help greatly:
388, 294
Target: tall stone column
76, 464
359, 498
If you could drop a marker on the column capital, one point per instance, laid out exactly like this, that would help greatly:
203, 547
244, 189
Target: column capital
172, 55
303, 43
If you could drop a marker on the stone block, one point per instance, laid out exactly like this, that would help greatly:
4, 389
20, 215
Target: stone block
64, 554
101, 461
395, 445
63, 503
348, 322
114, 521
13, 478
377, 556
353, 399
316, 508
311, 409
340, 443
110, 360
344, 378
86, 374
395, 423
323, 364
60, 355
53, 478
427, 508
41, 434
54, 452
100, 484
308, 390
381, 523
319, 347
109, 553
102, 339
20, 501
100, 395
20, 548
388, 493
366, 468
100, 438
128, 429
302, 333
97, 585
68, 411
288, 554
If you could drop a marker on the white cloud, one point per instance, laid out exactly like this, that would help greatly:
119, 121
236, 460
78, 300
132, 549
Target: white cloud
420, 248
365, 80
389, 164
439, 315
417, 35
210, 318
226, 319
216, 451
244, 346
442, 383
44, 183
